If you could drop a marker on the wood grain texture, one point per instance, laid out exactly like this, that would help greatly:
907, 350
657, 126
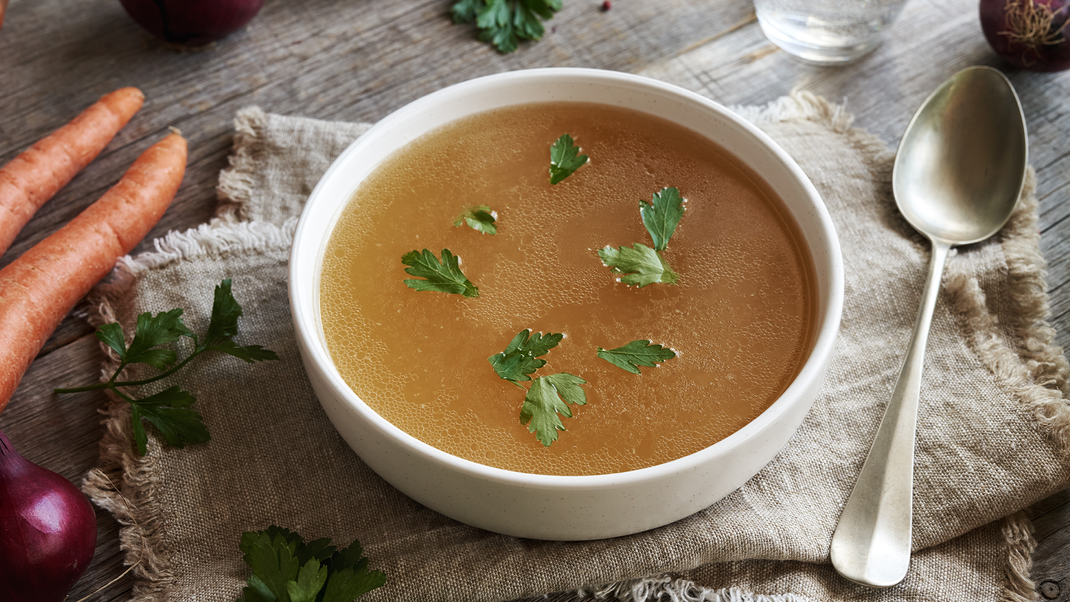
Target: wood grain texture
358, 60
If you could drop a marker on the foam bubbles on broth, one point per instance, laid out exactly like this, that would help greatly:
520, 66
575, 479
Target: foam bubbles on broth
741, 318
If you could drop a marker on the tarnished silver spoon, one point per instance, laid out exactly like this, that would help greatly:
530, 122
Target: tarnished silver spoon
958, 173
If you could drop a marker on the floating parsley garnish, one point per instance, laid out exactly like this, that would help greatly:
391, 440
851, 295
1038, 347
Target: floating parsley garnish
662, 215
518, 361
504, 23
287, 568
169, 410
548, 396
443, 276
478, 218
637, 353
563, 159
640, 264
546, 399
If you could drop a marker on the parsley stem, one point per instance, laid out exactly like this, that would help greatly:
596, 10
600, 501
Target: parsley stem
112, 383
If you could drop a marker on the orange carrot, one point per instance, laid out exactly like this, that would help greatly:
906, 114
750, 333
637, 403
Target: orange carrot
38, 173
39, 288
3, 9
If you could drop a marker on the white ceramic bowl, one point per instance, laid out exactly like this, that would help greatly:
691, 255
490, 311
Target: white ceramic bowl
562, 507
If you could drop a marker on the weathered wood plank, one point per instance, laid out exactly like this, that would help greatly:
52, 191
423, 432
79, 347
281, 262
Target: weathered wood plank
361, 60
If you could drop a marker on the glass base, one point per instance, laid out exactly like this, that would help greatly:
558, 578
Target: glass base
837, 53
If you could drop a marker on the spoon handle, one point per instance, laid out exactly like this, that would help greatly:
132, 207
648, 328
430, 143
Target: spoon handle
871, 544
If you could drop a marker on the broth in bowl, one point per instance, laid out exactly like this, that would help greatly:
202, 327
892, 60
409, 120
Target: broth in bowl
740, 319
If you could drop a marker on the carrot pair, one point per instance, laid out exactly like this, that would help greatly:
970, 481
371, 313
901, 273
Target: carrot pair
40, 287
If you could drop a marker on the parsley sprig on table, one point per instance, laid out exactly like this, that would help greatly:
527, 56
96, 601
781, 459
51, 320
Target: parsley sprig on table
286, 569
549, 397
639, 264
170, 410
444, 276
504, 23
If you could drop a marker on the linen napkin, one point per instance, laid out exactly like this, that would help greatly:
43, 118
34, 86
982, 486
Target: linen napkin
992, 434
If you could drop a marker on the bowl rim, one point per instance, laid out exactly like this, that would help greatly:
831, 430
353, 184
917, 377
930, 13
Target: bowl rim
307, 326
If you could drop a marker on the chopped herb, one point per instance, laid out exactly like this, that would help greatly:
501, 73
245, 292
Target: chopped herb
286, 569
169, 410
563, 159
518, 360
546, 399
639, 264
479, 218
637, 353
504, 23
662, 215
443, 276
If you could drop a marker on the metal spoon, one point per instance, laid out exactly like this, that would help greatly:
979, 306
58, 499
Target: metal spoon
957, 176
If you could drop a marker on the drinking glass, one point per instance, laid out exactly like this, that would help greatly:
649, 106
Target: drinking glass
827, 32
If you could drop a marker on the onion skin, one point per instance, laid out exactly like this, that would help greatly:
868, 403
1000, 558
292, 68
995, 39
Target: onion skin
192, 23
48, 531
1030, 34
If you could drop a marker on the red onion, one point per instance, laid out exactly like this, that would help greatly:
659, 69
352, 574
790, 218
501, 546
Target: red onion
192, 22
1030, 34
47, 531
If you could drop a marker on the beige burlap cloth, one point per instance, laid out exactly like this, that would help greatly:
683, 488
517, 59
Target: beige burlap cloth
992, 435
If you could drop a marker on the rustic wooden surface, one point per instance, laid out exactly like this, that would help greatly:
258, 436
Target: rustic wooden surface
360, 59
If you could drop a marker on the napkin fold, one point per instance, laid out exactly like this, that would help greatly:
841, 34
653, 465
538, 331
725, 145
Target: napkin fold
993, 432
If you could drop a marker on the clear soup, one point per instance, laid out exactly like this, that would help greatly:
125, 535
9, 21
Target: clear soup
741, 319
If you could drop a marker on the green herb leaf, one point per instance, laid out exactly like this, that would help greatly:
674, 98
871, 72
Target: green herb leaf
518, 361
170, 413
247, 353
504, 23
287, 569
548, 397
112, 336
151, 332
443, 276
479, 218
563, 159
169, 410
639, 264
662, 215
274, 563
225, 314
637, 353
310, 580
347, 584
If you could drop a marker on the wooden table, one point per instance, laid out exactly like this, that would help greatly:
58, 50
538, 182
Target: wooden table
358, 60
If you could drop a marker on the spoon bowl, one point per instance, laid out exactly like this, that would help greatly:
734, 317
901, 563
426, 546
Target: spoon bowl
961, 164
957, 176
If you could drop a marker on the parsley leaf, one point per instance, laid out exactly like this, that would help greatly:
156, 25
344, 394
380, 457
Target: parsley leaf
504, 23
478, 218
518, 361
639, 264
637, 353
169, 410
662, 215
444, 276
286, 569
563, 159
546, 399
